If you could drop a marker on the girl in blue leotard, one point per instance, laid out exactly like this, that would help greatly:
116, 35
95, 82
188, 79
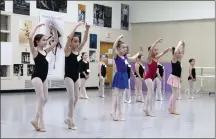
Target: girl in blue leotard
120, 79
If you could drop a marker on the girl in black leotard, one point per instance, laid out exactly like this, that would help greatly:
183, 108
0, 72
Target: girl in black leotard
174, 79
139, 73
191, 78
72, 50
102, 72
39, 75
84, 75
158, 81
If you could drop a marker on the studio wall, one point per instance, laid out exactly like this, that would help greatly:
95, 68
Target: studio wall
199, 36
157, 11
21, 49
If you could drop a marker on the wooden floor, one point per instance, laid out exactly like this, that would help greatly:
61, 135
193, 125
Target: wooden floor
93, 119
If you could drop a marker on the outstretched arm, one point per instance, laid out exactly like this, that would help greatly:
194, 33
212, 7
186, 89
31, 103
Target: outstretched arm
115, 45
69, 38
55, 36
179, 48
136, 55
31, 41
163, 53
85, 38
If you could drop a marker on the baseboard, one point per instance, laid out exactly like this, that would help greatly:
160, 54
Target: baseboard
32, 90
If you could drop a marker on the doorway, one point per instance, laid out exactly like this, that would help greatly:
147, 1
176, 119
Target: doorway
106, 48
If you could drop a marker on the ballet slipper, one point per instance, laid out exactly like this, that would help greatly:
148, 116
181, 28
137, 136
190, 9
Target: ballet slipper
121, 118
146, 112
176, 113
71, 124
103, 96
35, 125
41, 128
113, 117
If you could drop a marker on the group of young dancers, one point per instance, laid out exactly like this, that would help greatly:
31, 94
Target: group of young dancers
75, 69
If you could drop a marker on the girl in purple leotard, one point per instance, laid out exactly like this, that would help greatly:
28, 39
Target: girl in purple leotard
120, 79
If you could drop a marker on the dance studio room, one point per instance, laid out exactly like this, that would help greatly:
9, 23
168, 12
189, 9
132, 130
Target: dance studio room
107, 69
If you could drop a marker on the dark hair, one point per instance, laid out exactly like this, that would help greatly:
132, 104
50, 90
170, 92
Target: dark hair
83, 53
140, 56
173, 50
37, 38
190, 60
149, 48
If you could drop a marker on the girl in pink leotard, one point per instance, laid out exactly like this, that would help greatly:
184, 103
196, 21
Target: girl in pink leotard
152, 59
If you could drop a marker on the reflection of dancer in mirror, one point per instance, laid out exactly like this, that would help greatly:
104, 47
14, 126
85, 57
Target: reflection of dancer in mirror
37, 45
84, 75
72, 50
152, 59
174, 79
102, 71
120, 79
58, 45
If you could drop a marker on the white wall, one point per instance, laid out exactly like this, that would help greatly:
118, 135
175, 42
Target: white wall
156, 11
23, 82
72, 10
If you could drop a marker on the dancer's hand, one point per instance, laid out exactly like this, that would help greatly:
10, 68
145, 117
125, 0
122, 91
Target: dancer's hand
52, 26
121, 36
160, 40
79, 23
39, 25
87, 26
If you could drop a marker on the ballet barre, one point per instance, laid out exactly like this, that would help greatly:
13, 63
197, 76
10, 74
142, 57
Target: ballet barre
202, 75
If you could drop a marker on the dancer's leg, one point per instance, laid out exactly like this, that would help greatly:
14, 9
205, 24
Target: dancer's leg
158, 89
38, 86
119, 104
190, 91
114, 103
149, 100
172, 103
70, 90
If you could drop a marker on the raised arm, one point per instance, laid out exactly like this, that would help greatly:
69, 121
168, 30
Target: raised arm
115, 45
151, 49
134, 57
85, 37
55, 36
163, 53
31, 41
69, 38
179, 49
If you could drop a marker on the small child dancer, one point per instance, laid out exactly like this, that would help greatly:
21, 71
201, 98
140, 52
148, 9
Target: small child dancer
174, 79
102, 68
152, 59
120, 80
139, 73
84, 75
127, 92
191, 78
158, 80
